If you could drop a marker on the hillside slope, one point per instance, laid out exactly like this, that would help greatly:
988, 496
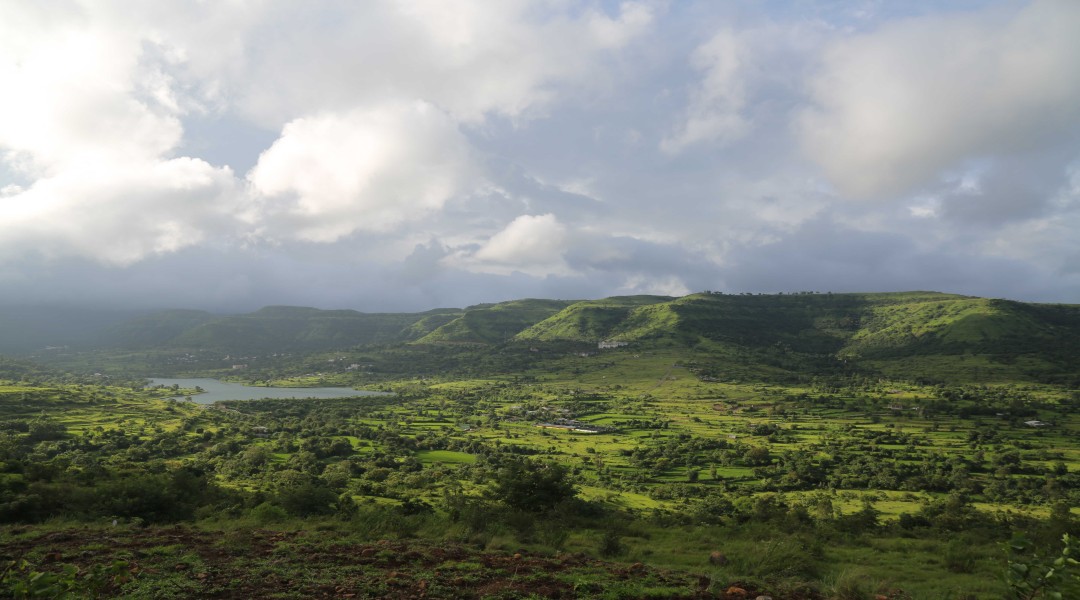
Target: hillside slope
590, 320
919, 335
914, 334
489, 324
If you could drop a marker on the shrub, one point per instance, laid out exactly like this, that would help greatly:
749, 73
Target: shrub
267, 513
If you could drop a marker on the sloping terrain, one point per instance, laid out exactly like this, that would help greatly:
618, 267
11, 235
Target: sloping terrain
497, 323
916, 334
156, 329
925, 335
181, 562
590, 320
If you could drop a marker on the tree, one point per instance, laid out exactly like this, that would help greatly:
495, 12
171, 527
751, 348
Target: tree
43, 428
533, 486
308, 499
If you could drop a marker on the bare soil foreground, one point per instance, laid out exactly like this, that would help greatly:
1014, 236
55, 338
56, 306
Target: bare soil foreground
183, 562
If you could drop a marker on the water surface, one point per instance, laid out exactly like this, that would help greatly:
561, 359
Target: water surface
221, 390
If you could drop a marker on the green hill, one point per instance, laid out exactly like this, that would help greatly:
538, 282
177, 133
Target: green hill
917, 335
590, 320
911, 334
487, 324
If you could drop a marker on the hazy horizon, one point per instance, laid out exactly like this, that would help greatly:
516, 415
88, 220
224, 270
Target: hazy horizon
127, 311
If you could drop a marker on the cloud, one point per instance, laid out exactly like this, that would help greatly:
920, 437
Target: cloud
237, 154
895, 108
78, 97
529, 244
369, 107
823, 255
471, 58
119, 215
88, 118
747, 80
368, 169
716, 105
670, 285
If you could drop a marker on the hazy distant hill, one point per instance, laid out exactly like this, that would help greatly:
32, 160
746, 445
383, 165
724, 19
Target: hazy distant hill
288, 328
25, 329
156, 329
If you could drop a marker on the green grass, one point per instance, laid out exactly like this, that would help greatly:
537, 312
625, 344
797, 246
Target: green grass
445, 457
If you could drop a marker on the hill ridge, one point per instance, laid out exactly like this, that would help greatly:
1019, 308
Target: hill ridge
888, 332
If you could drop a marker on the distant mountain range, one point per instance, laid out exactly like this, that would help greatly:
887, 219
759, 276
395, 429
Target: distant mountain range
889, 330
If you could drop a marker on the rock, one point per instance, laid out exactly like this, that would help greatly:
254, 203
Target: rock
763, 598
718, 558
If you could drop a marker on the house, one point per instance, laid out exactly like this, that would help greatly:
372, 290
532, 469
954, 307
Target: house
574, 426
607, 345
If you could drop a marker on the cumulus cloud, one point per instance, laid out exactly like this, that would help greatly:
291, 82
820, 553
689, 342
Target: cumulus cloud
369, 100
470, 58
119, 216
531, 244
367, 169
87, 120
70, 98
896, 107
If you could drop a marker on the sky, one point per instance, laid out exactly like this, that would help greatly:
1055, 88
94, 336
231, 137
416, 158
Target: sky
408, 155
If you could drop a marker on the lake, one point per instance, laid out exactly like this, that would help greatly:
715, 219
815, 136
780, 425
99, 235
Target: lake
220, 390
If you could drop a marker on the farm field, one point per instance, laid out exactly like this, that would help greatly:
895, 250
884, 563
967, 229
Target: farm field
667, 458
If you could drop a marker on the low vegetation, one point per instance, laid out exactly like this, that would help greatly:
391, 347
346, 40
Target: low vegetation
807, 446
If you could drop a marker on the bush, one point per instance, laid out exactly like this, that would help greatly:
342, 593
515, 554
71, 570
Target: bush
308, 500
959, 556
267, 513
611, 544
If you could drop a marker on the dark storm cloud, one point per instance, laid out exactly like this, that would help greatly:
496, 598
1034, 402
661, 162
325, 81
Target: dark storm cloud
822, 256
